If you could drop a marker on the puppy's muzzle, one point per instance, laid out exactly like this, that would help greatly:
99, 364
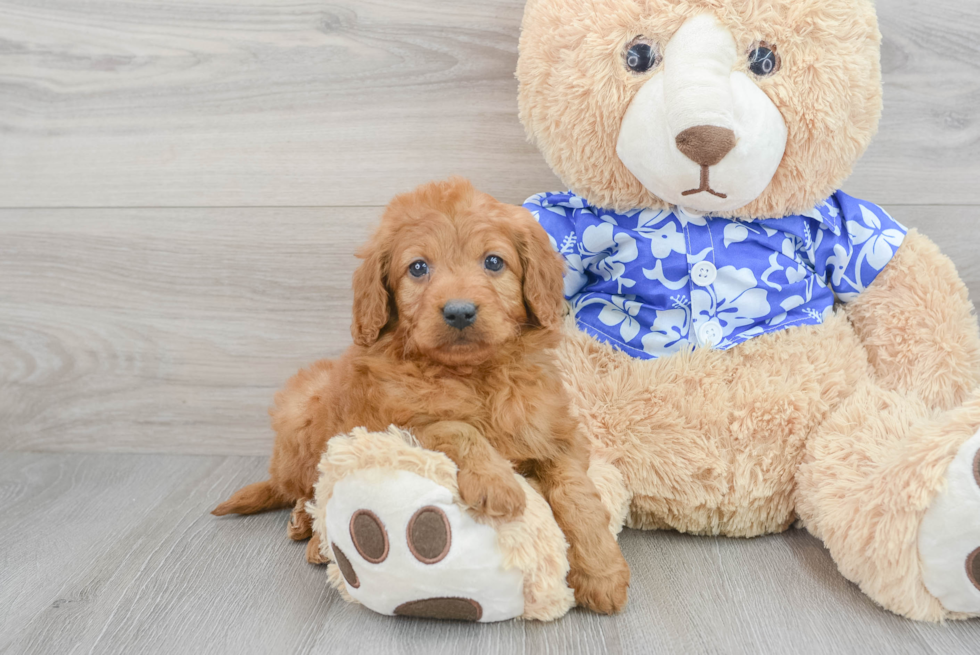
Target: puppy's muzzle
459, 314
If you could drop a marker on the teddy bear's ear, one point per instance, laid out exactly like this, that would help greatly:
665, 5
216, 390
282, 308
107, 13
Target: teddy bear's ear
543, 272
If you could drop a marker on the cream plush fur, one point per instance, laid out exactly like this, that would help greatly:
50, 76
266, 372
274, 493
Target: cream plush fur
852, 426
862, 428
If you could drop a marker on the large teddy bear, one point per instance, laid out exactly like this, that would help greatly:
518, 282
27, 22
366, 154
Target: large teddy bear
747, 346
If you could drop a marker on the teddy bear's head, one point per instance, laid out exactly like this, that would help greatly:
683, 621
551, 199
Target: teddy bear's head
745, 108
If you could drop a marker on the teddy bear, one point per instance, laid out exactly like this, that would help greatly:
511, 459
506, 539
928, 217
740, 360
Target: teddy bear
747, 346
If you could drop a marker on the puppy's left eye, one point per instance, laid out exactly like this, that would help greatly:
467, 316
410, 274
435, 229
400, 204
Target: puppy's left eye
493, 263
418, 268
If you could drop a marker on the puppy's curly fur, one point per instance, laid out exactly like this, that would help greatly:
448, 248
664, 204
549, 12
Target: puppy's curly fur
486, 394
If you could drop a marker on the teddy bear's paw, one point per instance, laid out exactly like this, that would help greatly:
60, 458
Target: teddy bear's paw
405, 548
949, 535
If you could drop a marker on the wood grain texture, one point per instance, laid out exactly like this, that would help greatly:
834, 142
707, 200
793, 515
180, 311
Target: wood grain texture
169, 330
117, 554
222, 102
165, 330
231, 103
926, 151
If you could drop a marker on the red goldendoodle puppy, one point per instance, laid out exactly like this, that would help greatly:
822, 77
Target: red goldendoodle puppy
457, 306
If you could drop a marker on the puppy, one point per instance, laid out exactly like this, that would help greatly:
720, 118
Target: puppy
457, 306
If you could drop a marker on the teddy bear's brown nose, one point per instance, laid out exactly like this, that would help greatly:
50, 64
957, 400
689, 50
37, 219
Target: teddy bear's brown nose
706, 144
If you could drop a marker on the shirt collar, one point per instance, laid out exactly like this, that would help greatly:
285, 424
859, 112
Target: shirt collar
827, 213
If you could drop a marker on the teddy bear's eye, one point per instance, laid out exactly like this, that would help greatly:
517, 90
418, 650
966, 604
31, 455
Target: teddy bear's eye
641, 55
763, 60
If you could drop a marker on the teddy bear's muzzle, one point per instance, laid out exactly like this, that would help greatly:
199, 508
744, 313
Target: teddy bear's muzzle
701, 134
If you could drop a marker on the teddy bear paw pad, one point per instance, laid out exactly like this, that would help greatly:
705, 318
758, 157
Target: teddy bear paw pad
460, 609
949, 536
405, 548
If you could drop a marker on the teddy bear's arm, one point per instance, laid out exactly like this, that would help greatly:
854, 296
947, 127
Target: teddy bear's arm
918, 326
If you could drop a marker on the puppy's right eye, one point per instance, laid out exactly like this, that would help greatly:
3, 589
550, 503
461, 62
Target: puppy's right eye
418, 268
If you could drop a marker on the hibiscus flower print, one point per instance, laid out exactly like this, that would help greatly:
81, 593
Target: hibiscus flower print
616, 311
735, 233
878, 246
660, 228
575, 276
670, 329
631, 275
735, 299
606, 252
666, 240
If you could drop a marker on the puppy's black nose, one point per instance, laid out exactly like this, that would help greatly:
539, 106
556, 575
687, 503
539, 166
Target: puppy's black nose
459, 314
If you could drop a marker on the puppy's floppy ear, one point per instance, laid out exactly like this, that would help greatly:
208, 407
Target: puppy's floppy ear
372, 303
543, 272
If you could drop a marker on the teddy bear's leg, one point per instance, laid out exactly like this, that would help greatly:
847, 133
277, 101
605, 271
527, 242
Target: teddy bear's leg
389, 516
890, 486
615, 497
917, 324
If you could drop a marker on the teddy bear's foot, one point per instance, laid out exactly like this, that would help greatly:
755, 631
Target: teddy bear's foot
404, 547
949, 535
389, 515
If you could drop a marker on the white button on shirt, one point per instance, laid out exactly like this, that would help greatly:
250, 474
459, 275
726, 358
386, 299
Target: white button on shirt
704, 274
710, 334
688, 213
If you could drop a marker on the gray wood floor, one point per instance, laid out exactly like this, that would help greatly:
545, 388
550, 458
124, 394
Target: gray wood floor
117, 554
182, 185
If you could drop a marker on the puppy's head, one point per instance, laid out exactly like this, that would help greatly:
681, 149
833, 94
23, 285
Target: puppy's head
456, 275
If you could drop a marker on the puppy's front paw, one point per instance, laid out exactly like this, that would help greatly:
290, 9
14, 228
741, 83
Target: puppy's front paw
601, 589
494, 495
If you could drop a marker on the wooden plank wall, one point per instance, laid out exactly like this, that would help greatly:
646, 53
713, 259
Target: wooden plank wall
183, 183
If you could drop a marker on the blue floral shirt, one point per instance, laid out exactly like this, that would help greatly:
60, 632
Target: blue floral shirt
653, 282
